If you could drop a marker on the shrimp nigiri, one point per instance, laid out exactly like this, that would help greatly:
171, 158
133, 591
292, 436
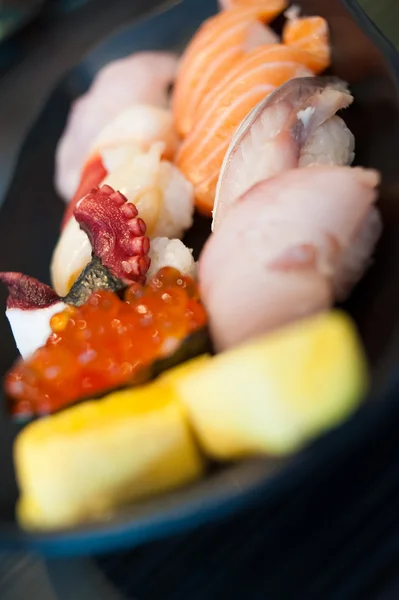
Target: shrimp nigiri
156, 187
144, 77
250, 80
289, 248
295, 126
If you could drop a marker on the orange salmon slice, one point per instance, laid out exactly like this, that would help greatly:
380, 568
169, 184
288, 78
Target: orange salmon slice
201, 154
253, 76
311, 35
214, 49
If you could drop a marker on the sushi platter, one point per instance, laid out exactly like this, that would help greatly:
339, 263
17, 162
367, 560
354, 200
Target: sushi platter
201, 311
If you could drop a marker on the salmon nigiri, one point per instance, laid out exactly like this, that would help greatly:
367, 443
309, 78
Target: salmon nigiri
295, 126
289, 248
214, 49
253, 78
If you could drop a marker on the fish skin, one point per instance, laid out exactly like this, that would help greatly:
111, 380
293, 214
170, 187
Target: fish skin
273, 137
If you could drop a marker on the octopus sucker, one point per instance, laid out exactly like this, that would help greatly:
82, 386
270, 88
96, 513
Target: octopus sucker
115, 232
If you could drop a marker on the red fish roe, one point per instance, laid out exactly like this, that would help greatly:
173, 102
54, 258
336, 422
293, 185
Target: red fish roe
104, 343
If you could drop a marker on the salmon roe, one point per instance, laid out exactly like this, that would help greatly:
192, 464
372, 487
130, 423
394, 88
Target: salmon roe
104, 343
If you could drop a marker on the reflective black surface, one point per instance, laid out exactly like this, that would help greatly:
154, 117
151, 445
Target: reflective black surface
339, 470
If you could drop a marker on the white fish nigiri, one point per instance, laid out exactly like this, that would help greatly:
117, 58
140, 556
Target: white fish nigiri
144, 77
161, 194
288, 248
295, 126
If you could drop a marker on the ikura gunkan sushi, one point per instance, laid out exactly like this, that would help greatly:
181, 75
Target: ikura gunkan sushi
106, 343
171, 362
96, 340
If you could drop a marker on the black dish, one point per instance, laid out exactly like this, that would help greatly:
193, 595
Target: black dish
29, 228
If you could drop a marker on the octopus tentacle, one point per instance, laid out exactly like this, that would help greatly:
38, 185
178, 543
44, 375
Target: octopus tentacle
26, 292
119, 258
116, 233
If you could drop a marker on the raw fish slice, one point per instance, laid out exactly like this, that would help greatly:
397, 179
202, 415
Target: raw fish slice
214, 49
286, 250
200, 156
315, 56
254, 76
229, 4
309, 34
253, 63
144, 77
357, 257
280, 134
140, 124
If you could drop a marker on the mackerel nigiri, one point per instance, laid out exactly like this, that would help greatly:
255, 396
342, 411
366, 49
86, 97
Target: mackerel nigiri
295, 126
290, 247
